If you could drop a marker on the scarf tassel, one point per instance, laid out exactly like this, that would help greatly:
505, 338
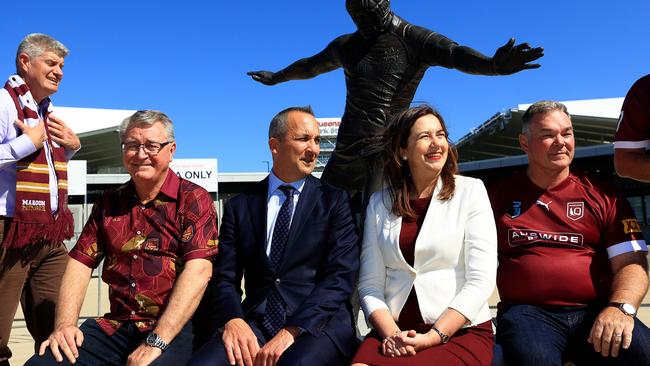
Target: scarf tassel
20, 234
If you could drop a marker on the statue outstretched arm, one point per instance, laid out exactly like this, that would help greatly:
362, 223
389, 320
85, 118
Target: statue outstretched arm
438, 50
508, 59
306, 68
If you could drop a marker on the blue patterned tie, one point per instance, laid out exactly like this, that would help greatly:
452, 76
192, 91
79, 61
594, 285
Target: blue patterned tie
274, 315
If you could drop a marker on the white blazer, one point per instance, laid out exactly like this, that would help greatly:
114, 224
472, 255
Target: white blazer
455, 256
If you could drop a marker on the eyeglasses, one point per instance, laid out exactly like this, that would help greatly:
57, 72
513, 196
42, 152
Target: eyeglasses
151, 148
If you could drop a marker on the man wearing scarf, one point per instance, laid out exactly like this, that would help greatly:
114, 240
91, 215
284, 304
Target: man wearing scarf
34, 218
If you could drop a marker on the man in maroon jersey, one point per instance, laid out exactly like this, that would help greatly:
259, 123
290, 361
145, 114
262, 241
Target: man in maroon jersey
572, 258
632, 137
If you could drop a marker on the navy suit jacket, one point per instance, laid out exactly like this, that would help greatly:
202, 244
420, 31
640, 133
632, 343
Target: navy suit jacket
316, 275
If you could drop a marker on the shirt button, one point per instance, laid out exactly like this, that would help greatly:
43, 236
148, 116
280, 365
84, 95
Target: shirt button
138, 232
132, 312
132, 284
277, 281
135, 256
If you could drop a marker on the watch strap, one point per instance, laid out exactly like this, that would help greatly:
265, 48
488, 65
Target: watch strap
622, 307
443, 337
154, 340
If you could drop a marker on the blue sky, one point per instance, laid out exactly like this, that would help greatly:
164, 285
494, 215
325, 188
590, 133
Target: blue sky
189, 59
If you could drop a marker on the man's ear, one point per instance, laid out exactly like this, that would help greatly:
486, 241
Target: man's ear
274, 144
172, 150
523, 142
23, 63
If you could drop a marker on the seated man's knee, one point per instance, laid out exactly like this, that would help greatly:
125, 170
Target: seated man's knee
46, 360
211, 354
526, 338
639, 350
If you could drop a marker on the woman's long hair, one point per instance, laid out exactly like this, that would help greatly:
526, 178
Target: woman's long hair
397, 174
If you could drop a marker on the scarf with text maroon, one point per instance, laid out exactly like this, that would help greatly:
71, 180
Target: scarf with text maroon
33, 221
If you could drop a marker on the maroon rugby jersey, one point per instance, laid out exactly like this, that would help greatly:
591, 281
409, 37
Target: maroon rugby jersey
633, 131
145, 246
554, 244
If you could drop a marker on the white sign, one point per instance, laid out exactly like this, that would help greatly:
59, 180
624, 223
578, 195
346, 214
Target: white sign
200, 171
76, 178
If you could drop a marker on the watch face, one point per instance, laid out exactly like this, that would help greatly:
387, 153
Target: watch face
628, 309
151, 339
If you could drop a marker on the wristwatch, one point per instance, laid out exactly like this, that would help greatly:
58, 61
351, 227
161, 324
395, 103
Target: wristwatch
443, 337
627, 309
154, 340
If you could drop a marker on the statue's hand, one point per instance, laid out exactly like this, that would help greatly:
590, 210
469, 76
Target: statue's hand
509, 59
264, 77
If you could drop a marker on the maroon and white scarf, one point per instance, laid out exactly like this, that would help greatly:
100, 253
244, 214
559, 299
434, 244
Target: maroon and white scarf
33, 221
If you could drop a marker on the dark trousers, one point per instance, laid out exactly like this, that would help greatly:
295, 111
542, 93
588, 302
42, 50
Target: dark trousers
30, 276
100, 349
530, 335
306, 350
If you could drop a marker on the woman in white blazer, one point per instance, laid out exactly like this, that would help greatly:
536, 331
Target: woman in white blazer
428, 263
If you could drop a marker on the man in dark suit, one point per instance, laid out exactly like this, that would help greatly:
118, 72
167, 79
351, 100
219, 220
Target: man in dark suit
294, 239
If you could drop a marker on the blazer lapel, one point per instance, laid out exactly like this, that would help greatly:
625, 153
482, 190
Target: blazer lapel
306, 201
257, 207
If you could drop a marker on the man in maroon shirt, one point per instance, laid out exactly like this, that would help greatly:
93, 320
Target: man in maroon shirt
156, 235
572, 259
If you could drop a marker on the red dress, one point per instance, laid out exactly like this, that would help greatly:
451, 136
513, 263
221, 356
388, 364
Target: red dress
469, 346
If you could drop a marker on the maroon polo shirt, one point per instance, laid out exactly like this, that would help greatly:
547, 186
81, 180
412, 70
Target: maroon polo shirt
144, 246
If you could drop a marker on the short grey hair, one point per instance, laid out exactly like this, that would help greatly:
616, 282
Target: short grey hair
147, 118
541, 107
278, 127
34, 44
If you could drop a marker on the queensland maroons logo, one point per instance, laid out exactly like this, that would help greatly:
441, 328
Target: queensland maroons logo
575, 210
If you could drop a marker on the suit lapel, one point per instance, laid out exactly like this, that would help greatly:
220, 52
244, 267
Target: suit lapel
310, 194
257, 207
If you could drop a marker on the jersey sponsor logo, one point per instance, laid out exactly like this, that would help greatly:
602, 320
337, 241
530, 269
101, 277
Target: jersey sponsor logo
517, 237
631, 226
575, 210
515, 210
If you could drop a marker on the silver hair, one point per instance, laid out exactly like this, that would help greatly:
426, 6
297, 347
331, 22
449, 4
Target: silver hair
278, 127
147, 118
541, 107
34, 44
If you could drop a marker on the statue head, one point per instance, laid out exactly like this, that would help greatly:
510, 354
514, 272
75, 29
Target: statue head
371, 16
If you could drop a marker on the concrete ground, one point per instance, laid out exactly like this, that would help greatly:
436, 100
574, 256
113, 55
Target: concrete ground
21, 343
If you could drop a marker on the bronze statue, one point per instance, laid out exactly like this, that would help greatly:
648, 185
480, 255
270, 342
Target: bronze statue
384, 61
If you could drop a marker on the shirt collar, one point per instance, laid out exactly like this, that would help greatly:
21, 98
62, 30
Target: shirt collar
171, 184
275, 182
44, 106
169, 188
